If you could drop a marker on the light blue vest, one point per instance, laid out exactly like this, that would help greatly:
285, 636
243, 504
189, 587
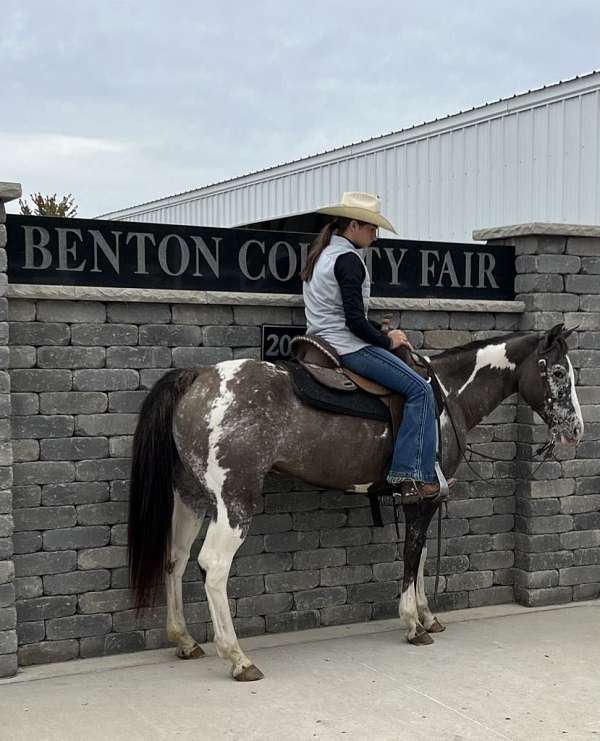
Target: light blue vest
323, 299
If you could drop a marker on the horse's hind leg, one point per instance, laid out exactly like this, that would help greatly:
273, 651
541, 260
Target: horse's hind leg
215, 557
186, 523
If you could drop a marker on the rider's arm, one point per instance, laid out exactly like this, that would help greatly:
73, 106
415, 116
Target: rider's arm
350, 274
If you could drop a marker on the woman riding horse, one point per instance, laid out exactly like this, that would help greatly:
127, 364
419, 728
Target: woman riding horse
207, 438
336, 288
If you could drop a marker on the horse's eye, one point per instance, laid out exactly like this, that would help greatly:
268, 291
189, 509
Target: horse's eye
559, 373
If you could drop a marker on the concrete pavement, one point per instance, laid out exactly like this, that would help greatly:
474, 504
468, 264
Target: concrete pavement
502, 672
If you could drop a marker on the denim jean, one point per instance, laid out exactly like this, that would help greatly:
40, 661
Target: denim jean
415, 447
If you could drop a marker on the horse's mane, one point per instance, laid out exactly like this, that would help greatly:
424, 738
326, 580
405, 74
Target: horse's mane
478, 344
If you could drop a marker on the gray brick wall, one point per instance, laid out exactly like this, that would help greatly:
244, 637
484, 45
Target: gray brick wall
8, 613
80, 371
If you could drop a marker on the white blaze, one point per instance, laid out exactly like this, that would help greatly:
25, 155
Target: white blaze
574, 399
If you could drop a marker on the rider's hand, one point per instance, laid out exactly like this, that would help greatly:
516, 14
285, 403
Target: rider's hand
398, 339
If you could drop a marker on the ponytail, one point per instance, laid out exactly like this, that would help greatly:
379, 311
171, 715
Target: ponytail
322, 240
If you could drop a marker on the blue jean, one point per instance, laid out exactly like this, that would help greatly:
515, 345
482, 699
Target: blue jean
416, 442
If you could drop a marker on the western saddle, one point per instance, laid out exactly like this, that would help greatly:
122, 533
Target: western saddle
324, 364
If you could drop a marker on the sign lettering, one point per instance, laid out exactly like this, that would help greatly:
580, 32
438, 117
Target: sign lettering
93, 252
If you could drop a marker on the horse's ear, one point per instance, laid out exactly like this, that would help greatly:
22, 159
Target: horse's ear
568, 332
551, 336
556, 331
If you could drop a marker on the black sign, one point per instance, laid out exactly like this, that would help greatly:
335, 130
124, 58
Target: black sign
124, 254
276, 340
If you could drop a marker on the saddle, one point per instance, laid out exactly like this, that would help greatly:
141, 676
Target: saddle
322, 362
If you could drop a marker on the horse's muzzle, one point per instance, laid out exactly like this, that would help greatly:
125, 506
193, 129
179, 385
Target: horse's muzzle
572, 436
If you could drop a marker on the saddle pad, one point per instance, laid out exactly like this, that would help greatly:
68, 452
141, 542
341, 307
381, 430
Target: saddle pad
355, 403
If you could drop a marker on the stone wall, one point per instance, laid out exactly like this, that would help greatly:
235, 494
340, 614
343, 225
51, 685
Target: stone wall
557, 526
79, 372
8, 616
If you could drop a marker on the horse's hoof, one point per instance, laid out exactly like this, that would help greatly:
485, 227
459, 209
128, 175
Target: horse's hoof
436, 627
421, 638
249, 674
195, 653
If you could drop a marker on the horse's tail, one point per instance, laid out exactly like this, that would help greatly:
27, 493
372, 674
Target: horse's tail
151, 492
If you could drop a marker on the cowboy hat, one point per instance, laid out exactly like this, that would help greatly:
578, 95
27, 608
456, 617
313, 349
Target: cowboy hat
359, 206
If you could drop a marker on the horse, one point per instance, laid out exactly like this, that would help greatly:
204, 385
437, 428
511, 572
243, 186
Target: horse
207, 437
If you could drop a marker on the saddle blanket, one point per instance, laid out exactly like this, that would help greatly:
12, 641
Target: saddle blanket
355, 403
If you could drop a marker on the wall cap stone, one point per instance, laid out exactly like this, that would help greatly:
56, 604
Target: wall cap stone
93, 293
10, 191
537, 229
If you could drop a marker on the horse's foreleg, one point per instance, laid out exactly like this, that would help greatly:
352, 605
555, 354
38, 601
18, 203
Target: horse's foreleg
428, 620
416, 532
216, 555
185, 527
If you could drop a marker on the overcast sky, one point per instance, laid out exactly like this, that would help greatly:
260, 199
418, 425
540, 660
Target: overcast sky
123, 101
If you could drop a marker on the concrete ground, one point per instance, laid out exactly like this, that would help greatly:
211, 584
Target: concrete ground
501, 672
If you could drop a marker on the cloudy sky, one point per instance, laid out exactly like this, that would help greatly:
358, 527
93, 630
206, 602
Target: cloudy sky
123, 101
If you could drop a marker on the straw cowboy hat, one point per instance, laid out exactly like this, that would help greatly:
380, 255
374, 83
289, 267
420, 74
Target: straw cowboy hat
362, 207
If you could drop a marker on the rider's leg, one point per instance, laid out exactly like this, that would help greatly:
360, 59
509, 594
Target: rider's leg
415, 446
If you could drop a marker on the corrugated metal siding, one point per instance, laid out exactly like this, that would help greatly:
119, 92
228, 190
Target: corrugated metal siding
537, 163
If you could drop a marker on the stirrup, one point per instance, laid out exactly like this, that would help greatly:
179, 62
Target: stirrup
412, 491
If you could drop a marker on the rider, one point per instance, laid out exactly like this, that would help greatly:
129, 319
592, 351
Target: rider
336, 288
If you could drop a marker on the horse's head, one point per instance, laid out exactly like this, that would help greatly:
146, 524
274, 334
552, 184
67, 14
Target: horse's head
547, 383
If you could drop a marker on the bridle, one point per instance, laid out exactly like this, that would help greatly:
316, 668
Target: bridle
547, 449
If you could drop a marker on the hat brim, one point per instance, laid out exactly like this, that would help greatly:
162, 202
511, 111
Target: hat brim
360, 214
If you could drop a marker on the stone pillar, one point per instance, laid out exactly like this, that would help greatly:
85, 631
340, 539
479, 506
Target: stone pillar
8, 612
557, 538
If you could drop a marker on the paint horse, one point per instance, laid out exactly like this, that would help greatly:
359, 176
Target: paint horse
207, 437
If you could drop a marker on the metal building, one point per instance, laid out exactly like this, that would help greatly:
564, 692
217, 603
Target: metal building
531, 157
